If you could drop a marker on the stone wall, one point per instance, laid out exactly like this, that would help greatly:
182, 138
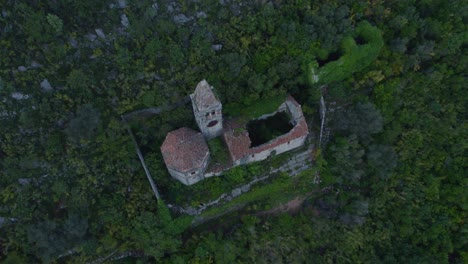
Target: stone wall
191, 177
239, 145
294, 111
203, 120
295, 143
281, 108
299, 161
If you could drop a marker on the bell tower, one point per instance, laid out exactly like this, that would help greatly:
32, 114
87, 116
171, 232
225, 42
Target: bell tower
207, 110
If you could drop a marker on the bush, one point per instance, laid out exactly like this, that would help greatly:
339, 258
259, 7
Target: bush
356, 57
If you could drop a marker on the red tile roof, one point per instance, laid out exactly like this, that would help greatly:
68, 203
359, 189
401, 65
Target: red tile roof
238, 141
184, 149
204, 97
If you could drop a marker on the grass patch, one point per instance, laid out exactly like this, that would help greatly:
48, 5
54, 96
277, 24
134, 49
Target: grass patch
257, 109
219, 153
359, 51
210, 188
278, 160
276, 192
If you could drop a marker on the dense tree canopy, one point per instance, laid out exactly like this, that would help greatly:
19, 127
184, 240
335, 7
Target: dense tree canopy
393, 176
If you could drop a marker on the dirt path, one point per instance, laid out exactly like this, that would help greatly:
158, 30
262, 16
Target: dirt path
292, 207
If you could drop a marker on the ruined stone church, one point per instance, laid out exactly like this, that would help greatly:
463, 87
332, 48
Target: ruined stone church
186, 153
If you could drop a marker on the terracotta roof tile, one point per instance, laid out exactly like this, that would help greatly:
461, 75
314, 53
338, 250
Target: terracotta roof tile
184, 149
238, 141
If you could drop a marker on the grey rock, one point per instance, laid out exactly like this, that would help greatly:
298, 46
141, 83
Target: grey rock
245, 188
100, 33
181, 19
7, 114
122, 3
22, 68
91, 37
217, 47
124, 20
121, 32
236, 192
191, 211
19, 96
201, 14
155, 7
170, 8
73, 43
24, 181
35, 64
45, 85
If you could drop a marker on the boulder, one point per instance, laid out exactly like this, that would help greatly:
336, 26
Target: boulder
100, 33
122, 3
45, 85
35, 64
124, 20
201, 14
217, 47
19, 96
91, 37
181, 19
73, 43
236, 192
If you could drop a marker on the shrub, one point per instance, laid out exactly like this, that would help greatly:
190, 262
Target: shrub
355, 58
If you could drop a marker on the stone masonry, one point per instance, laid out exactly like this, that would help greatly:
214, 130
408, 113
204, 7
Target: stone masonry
207, 110
186, 153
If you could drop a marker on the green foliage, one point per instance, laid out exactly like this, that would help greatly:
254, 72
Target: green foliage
236, 175
48, 239
348, 157
356, 57
382, 158
55, 22
363, 120
84, 126
219, 153
392, 193
13, 258
255, 109
280, 187
158, 233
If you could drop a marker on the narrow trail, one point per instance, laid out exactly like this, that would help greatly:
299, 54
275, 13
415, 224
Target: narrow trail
292, 206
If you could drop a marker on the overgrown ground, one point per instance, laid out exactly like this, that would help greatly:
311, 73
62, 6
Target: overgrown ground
72, 189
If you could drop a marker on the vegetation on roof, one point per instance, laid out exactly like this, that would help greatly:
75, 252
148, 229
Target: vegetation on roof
219, 154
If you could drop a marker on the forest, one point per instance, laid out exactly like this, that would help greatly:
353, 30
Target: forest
392, 187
